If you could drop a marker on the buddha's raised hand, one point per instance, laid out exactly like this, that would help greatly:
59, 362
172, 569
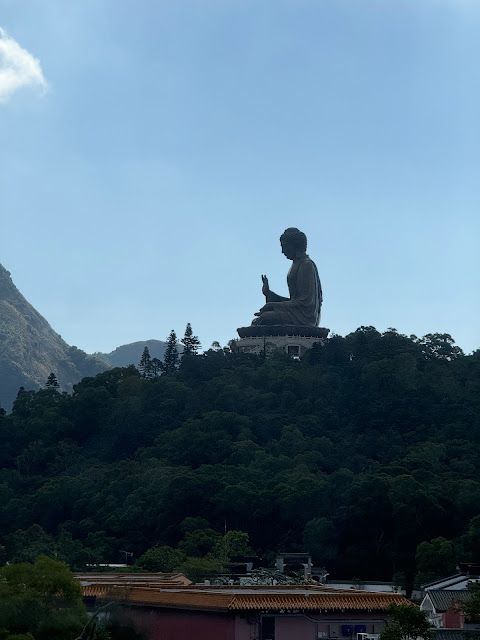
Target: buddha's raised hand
265, 288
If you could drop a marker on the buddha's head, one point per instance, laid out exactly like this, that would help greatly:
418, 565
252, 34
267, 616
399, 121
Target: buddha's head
294, 243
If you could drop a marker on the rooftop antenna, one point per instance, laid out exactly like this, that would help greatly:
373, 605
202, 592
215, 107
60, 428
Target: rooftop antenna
127, 554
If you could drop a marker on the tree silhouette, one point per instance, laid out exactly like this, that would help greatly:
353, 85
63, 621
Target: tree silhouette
407, 623
145, 364
52, 382
156, 367
191, 343
170, 359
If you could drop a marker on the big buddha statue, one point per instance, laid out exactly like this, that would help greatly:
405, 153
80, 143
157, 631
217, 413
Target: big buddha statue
300, 312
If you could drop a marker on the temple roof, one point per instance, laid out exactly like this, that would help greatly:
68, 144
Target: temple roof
235, 598
106, 580
443, 599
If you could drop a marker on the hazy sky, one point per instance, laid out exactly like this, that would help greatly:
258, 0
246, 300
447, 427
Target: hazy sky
152, 152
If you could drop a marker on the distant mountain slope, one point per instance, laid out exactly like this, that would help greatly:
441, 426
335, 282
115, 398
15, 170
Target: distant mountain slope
30, 349
131, 353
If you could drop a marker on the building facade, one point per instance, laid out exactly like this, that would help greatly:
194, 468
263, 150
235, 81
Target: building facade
203, 612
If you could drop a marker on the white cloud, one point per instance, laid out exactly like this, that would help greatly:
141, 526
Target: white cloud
18, 68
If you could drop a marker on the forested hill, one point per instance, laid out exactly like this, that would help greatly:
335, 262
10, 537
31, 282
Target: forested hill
30, 349
359, 453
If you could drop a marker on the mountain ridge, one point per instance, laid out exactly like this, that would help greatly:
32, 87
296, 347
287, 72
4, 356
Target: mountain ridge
131, 353
30, 349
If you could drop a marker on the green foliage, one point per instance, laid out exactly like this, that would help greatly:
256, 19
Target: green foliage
170, 360
155, 367
320, 538
399, 580
434, 559
41, 599
163, 558
30, 349
471, 608
407, 622
52, 382
199, 543
200, 569
145, 364
189, 525
234, 543
26, 546
191, 343
470, 541
440, 346
360, 455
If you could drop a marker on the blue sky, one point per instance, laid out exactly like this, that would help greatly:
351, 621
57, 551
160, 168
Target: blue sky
152, 158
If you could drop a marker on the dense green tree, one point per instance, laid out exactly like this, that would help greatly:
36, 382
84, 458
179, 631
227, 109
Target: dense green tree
199, 569
440, 346
375, 439
156, 367
145, 364
42, 599
233, 543
470, 540
471, 608
191, 343
170, 359
199, 543
26, 546
320, 539
434, 559
71, 551
52, 382
407, 622
189, 525
314, 355
162, 558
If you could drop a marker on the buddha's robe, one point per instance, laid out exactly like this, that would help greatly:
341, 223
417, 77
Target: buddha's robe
303, 306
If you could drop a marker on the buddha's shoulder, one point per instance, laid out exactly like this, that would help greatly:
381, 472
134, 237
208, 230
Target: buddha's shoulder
307, 262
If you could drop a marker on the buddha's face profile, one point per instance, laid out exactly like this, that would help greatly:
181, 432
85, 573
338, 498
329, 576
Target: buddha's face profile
294, 243
289, 250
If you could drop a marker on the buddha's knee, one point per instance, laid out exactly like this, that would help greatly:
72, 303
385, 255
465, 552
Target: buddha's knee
267, 317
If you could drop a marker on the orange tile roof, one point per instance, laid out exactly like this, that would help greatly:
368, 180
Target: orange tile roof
248, 599
133, 579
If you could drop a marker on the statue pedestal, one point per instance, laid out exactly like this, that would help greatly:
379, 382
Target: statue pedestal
293, 341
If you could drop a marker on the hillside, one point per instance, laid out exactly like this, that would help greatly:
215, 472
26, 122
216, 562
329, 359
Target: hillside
131, 353
30, 349
361, 453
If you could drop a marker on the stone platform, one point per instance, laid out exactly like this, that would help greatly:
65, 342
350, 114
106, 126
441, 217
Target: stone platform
256, 330
289, 340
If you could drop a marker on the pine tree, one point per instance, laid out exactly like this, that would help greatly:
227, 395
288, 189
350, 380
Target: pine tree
156, 367
145, 364
170, 359
191, 343
52, 382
